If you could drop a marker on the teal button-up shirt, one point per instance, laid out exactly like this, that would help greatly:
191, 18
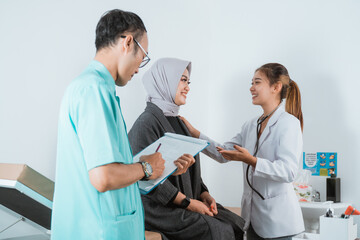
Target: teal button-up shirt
92, 133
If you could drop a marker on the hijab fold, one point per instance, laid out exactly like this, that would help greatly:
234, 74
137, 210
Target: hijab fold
161, 82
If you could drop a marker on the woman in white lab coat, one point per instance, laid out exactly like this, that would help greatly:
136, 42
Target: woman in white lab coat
270, 148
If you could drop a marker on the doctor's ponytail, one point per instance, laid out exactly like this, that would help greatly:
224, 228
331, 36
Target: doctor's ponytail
276, 72
293, 102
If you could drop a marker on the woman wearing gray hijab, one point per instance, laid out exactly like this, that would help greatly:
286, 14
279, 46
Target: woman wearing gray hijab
181, 207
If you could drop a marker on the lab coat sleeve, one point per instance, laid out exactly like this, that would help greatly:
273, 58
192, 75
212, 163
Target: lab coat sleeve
288, 151
211, 149
96, 127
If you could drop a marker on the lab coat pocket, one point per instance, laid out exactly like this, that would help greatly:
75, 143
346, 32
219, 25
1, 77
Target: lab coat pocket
125, 218
277, 215
273, 205
280, 209
124, 227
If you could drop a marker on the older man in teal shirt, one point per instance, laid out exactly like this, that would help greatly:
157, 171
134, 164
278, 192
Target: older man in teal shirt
96, 190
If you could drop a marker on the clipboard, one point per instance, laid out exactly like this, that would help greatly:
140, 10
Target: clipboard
173, 146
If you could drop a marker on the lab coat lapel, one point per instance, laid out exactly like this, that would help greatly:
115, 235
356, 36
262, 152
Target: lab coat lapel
273, 119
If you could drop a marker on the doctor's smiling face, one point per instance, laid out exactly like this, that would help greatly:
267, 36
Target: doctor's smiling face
182, 89
261, 91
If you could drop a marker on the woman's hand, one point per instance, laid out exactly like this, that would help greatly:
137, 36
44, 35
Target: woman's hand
199, 207
239, 154
183, 163
209, 202
193, 131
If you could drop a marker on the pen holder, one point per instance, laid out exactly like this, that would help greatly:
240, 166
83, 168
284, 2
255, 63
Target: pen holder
335, 228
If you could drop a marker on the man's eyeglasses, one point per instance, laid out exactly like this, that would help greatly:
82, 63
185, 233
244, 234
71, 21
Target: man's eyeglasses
146, 59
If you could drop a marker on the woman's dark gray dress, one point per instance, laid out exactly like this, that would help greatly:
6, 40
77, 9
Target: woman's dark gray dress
161, 215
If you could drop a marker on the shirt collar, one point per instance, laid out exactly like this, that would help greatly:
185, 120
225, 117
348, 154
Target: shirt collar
275, 116
104, 73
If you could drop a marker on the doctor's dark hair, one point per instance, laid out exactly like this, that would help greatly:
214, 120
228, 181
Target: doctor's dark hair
276, 72
113, 24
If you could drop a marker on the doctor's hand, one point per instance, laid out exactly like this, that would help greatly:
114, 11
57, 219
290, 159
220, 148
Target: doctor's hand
157, 164
209, 202
199, 207
193, 131
239, 154
183, 163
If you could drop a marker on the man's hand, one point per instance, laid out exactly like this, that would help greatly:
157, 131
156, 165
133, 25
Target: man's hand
209, 202
183, 163
199, 207
157, 163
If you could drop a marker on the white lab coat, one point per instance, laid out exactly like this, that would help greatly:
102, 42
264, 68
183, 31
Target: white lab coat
280, 150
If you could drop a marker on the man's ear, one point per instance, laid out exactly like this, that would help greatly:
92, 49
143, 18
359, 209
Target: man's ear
128, 44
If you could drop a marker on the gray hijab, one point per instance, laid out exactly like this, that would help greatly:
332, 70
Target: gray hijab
161, 82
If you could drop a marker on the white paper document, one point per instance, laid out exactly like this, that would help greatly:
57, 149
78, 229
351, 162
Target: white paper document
172, 147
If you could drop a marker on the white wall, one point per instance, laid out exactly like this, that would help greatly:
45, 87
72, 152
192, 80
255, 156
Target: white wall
45, 44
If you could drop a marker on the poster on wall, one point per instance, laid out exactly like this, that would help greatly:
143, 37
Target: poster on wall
320, 163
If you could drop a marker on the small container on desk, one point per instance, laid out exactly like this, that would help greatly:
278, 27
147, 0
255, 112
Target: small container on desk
336, 228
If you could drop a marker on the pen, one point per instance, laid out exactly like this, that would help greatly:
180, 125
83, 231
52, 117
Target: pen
158, 147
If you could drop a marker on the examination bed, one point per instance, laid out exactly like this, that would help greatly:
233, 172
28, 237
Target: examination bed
27, 196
